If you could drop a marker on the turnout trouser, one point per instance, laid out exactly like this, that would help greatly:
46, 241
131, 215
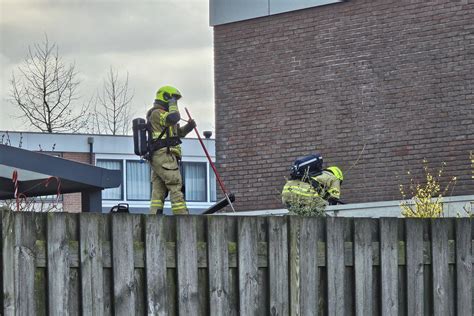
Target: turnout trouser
166, 178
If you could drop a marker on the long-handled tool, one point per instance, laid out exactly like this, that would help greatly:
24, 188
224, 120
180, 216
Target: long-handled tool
221, 184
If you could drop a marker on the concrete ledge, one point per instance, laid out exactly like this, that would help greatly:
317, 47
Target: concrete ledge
454, 206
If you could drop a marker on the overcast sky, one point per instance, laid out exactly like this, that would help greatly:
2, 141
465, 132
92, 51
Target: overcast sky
156, 41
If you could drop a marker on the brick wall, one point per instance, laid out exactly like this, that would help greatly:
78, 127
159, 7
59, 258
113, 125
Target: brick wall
72, 201
383, 83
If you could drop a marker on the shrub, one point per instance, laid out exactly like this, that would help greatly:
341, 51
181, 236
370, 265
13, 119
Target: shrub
425, 199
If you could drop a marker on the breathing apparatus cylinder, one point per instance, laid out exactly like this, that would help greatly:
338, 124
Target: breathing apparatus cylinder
308, 166
140, 144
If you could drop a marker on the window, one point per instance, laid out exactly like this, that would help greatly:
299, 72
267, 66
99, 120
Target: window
138, 181
112, 193
194, 175
199, 181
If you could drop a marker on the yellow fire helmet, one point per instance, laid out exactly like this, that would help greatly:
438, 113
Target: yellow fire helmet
337, 172
167, 93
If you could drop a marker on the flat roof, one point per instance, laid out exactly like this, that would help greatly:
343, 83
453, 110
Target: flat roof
41, 174
101, 144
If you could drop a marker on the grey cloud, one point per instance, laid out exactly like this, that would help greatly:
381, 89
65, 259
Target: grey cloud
90, 28
157, 42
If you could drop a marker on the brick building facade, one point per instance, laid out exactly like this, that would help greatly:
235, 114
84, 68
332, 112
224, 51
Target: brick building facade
375, 86
72, 202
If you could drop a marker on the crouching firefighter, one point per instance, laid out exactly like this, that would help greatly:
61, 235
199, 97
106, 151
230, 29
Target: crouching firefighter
309, 183
163, 149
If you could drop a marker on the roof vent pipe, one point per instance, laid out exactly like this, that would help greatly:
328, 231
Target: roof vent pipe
90, 141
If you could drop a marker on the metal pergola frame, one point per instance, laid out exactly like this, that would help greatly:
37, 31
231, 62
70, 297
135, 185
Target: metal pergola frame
74, 176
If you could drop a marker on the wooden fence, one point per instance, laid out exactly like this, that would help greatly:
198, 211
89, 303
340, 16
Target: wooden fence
92, 264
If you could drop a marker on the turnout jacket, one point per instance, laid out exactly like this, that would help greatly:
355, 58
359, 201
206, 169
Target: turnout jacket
165, 118
325, 186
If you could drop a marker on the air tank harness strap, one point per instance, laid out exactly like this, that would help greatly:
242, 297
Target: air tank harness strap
168, 142
319, 188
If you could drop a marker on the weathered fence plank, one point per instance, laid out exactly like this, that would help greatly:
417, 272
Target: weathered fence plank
202, 273
79, 264
309, 276
74, 298
8, 264
335, 265
123, 264
295, 231
108, 292
41, 292
138, 227
140, 292
414, 266
363, 266
439, 236
464, 275
188, 299
278, 264
233, 296
58, 265
218, 265
25, 235
92, 278
248, 268
155, 252
389, 265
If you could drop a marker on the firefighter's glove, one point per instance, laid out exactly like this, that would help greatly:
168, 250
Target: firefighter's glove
191, 124
334, 201
189, 127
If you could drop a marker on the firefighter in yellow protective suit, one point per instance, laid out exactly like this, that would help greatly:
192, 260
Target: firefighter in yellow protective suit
165, 156
326, 186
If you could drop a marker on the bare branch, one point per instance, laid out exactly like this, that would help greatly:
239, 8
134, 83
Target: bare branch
45, 90
112, 110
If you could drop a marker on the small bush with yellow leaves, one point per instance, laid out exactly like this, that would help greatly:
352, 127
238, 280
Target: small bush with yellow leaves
425, 199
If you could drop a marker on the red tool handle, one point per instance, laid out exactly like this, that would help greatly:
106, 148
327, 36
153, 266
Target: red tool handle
221, 184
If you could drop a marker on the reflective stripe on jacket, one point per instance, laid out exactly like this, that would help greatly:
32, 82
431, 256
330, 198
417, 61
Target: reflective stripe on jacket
330, 185
302, 192
158, 119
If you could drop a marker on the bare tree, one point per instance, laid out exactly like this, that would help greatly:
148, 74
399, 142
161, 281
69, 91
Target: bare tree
112, 111
45, 91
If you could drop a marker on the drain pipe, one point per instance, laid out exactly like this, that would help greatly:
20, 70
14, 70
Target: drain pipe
90, 141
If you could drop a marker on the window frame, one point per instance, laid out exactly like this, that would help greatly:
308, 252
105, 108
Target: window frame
206, 180
142, 204
122, 188
125, 181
